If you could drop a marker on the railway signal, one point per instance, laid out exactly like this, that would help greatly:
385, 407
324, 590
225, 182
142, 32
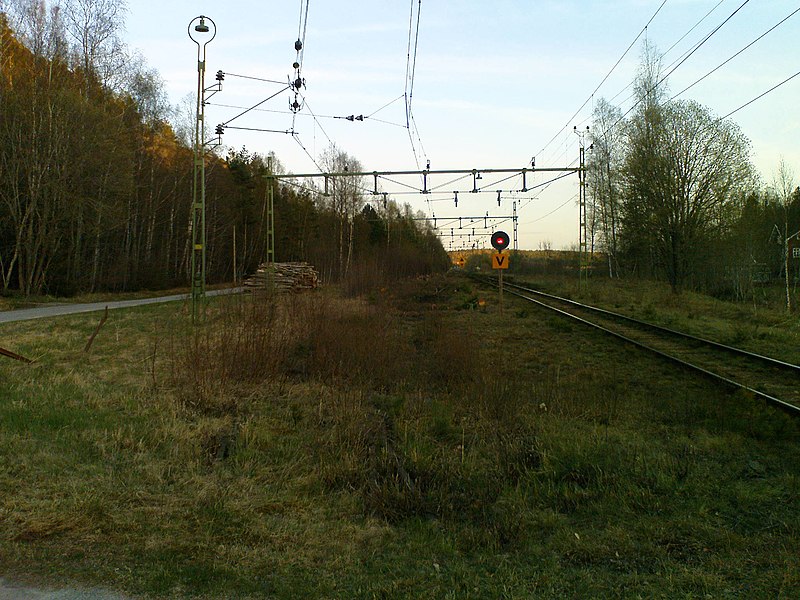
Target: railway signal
500, 241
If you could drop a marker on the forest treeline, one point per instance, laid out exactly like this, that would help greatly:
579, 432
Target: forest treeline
672, 194
96, 172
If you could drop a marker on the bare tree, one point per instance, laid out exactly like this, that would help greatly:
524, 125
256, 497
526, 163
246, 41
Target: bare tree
346, 200
93, 26
603, 178
783, 188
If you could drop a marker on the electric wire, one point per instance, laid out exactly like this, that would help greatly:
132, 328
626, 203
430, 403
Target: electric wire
419, 137
308, 107
730, 58
408, 59
288, 112
701, 43
451, 182
414, 64
683, 60
286, 131
244, 112
577, 112
296, 138
555, 210
254, 78
670, 68
304, 24
672, 47
772, 89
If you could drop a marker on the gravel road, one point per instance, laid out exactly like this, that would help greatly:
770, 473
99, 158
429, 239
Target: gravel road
56, 310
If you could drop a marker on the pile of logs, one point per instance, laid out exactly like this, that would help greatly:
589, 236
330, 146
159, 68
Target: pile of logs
285, 277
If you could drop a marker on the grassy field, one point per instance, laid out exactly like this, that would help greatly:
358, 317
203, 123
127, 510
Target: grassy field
412, 444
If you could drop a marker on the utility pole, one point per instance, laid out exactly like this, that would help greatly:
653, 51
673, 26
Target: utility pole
270, 213
199, 179
583, 234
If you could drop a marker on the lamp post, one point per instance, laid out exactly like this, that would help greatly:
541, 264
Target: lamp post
198, 31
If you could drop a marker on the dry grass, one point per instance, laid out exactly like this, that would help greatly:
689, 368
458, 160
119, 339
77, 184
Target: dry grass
316, 446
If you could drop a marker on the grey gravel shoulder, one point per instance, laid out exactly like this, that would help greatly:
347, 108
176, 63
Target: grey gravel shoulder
15, 591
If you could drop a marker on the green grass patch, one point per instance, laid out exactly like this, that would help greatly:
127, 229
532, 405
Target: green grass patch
412, 446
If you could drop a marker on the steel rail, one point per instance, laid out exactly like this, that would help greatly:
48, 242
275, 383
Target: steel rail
733, 349
786, 407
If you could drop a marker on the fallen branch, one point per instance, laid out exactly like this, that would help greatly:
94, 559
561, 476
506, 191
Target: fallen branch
14, 355
96, 331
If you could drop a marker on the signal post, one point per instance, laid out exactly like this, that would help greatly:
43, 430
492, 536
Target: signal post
500, 242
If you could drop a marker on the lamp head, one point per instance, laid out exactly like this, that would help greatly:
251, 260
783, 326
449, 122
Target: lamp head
201, 27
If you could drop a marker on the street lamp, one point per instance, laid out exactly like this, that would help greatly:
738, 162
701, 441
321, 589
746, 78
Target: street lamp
198, 33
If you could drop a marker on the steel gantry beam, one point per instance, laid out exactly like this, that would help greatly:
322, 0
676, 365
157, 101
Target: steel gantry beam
477, 176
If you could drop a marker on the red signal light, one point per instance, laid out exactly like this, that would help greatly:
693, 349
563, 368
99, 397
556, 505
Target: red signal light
500, 241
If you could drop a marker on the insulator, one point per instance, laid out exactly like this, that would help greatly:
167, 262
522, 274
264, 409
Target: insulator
360, 118
295, 65
350, 118
295, 105
298, 83
298, 45
220, 76
220, 129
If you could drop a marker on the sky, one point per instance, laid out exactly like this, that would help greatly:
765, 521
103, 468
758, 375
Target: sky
494, 85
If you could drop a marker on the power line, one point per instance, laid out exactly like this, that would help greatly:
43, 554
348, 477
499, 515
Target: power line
666, 52
679, 63
559, 207
772, 89
297, 139
244, 112
571, 119
254, 78
725, 62
369, 116
302, 39
701, 43
414, 64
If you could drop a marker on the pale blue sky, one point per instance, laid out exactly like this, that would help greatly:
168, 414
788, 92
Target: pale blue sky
495, 82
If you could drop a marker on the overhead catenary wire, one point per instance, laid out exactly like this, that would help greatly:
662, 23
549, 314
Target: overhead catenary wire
254, 78
730, 58
702, 42
669, 70
555, 210
288, 112
247, 110
770, 90
682, 60
666, 52
301, 31
585, 102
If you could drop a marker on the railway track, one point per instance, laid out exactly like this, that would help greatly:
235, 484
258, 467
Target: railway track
774, 381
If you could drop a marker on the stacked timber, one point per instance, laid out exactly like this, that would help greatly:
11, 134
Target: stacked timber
284, 277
